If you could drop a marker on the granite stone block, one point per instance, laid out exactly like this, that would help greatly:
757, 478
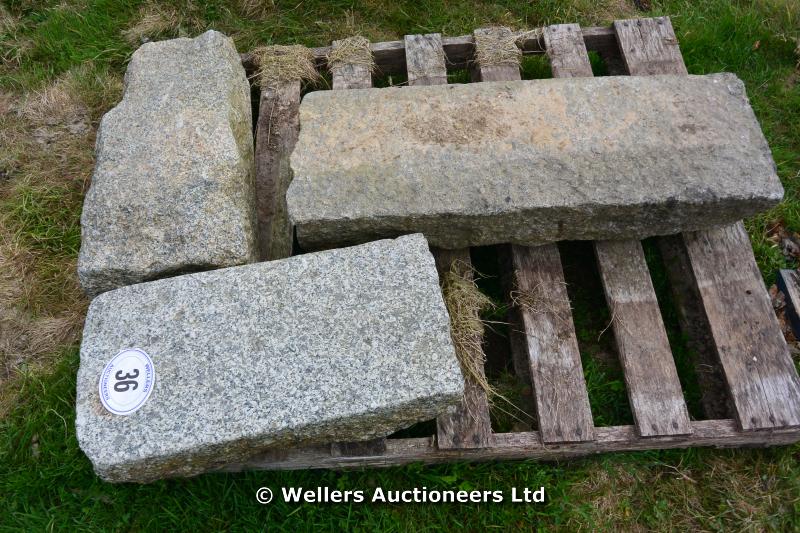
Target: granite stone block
529, 162
342, 345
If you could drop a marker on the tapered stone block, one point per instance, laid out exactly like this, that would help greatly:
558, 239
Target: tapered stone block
173, 188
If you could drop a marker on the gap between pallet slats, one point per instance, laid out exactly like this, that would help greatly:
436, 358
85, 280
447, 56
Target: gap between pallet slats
276, 134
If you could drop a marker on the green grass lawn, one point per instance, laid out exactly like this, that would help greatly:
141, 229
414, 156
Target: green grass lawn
61, 68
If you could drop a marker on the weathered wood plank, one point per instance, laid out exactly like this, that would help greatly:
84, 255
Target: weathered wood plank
651, 379
562, 402
367, 448
550, 346
526, 445
276, 134
389, 56
761, 377
425, 60
351, 75
789, 285
649, 46
661, 56
467, 425
567, 51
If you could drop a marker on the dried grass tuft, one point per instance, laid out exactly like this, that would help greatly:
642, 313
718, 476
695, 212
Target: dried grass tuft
30, 337
465, 302
522, 36
497, 47
285, 63
28, 343
154, 21
354, 51
55, 104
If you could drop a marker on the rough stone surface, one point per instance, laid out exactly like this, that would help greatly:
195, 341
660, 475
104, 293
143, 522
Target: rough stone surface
172, 189
529, 162
342, 345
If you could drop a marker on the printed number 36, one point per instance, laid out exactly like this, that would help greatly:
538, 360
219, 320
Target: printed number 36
124, 383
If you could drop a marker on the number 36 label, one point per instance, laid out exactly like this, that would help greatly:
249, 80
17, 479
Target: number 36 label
127, 381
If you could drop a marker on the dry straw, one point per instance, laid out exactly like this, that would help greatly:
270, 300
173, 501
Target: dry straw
285, 63
351, 51
496, 47
464, 303
539, 300
501, 46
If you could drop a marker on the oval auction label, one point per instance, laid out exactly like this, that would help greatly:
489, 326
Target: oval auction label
127, 381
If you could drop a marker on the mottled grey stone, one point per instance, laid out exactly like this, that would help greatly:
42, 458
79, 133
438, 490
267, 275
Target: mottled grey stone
173, 188
342, 345
529, 162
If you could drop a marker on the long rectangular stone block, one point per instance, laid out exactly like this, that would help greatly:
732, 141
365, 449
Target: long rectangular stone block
343, 345
529, 162
173, 186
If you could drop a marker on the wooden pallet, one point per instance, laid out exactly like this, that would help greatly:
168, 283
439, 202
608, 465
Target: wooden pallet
751, 390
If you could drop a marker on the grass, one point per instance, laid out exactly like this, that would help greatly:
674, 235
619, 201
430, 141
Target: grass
61, 68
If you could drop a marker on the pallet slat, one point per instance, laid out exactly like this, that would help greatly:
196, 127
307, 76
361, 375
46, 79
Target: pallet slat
566, 50
755, 359
467, 425
367, 448
276, 134
351, 75
660, 54
649, 47
760, 376
494, 72
425, 60
549, 342
562, 402
525, 445
652, 382
651, 379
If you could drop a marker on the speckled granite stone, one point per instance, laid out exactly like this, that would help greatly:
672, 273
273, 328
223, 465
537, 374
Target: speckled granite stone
529, 162
343, 345
173, 188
